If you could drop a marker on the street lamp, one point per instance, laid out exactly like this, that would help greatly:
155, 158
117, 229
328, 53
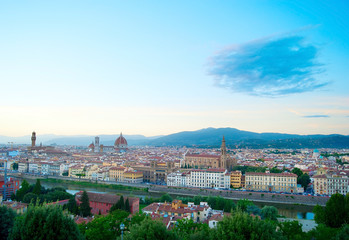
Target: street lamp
122, 227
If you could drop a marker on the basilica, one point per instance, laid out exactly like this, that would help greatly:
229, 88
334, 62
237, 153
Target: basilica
120, 145
223, 160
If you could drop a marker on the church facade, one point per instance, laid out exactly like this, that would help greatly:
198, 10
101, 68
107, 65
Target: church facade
209, 161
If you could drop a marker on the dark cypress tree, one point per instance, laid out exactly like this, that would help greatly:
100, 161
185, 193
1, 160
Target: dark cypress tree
85, 209
37, 187
72, 206
122, 203
127, 205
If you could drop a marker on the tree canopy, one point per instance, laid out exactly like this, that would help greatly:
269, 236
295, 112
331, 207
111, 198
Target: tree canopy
7, 218
45, 222
149, 230
240, 225
335, 213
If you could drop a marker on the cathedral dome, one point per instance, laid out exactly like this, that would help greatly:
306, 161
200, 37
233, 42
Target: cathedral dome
120, 142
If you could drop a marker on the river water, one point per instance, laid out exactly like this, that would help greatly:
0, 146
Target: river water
287, 210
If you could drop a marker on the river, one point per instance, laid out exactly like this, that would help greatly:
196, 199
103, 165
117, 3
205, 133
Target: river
288, 210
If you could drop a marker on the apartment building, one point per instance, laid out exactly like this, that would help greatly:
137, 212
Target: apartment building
320, 184
117, 174
132, 176
178, 179
331, 183
235, 179
272, 182
210, 178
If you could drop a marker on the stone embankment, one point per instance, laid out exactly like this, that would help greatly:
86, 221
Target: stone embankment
236, 195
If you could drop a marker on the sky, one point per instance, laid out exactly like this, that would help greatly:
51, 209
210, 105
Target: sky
160, 67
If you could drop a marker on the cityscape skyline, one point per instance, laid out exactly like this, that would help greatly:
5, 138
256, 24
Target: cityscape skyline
156, 68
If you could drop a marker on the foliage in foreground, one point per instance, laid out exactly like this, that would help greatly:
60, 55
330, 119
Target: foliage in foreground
7, 217
44, 222
336, 212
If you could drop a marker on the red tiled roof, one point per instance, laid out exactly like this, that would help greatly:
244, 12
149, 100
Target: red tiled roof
105, 198
202, 155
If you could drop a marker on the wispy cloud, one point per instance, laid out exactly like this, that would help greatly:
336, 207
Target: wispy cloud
269, 67
316, 116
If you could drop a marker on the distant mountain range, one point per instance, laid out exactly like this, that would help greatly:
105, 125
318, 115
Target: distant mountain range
208, 137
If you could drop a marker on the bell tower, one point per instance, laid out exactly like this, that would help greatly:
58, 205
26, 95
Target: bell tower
97, 149
223, 162
223, 147
33, 139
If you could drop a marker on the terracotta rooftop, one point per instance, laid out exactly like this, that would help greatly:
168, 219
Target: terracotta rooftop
105, 198
202, 155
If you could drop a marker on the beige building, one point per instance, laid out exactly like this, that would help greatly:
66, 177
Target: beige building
320, 184
117, 173
77, 171
156, 172
272, 182
331, 183
132, 176
235, 179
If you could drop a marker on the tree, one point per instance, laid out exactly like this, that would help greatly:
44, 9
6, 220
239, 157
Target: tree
166, 198
343, 233
253, 209
275, 170
149, 229
7, 219
319, 212
297, 171
322, 232
269, 212
106, 227
240, 225
85, 209
37, 187
30, 197
72, 206
243, 204
44, 222
335, 213
292, 230
25, 187
121, 203
127, 205
228, 205
186, 228
15, 166
304, 180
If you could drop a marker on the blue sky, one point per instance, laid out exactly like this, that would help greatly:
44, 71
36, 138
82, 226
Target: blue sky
159, 67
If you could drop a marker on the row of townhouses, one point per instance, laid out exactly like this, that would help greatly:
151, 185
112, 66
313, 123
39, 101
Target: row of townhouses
209, 178
222, 179
332, 182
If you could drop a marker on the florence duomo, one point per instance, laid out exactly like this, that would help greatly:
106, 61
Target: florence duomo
120, 145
